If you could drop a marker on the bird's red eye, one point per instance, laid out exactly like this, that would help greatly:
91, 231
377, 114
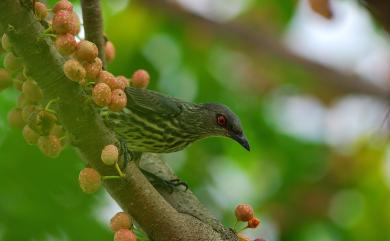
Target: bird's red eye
221, 120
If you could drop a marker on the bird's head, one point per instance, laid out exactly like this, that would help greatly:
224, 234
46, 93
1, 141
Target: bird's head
220, 120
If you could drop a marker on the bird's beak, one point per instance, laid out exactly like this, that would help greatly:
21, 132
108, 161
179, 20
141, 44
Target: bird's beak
241, 139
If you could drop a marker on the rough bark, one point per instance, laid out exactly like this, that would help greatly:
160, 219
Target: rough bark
161, 218
93, 25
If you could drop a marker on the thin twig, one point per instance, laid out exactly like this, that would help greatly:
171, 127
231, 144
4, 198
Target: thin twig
93, 25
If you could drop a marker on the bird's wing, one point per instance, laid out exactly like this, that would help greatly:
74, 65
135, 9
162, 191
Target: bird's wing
147, 101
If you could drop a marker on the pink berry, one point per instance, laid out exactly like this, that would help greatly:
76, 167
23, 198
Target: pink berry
124, 235
18, 81
30, 135
118, 100
42, 121
40, 10
109, 79
66, 22
244, 212
110, 51
75, 27
74, 70
63, 5
121, 220
28, 111
140, 79
12, 63
123, 82
90, 180
50, 145
86, 51
93, 69
31, 91
101, 94
110, 154
66, 44
253, 222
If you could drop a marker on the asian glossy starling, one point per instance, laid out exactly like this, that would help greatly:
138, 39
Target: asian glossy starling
152, 122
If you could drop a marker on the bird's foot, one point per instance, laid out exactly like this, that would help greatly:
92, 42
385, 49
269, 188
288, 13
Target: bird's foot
128, 156
168, 184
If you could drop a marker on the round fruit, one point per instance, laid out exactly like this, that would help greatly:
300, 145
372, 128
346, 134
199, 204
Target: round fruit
66, 44
109, 79
109, 51
63, 5
12, 63
90, 180
253, 222
31, 91
66, 22
15, 118
244, 212
122, 81
40, 10
93, 69
50, 145
110, 154
30, 135
124, 235
86, 51
74, 70
121, 220
101, 94
140, 79
118, 100
28, 111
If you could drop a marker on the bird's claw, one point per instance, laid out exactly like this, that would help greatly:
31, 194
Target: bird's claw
168, 184
125, 152
128, 156
177, 183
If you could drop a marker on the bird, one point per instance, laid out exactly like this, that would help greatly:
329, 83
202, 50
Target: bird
156, 123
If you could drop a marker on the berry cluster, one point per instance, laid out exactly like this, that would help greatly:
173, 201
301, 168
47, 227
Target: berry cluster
83, 65
39, 123
90, 181
33, 114
245, 213
109, 91
122, 224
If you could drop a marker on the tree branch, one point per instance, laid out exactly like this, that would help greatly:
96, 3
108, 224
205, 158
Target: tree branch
258, 43
157, 217
93, 25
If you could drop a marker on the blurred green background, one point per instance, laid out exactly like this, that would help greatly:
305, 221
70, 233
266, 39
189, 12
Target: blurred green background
319, 166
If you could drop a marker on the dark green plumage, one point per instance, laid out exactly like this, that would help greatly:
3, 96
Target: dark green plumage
152, 122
